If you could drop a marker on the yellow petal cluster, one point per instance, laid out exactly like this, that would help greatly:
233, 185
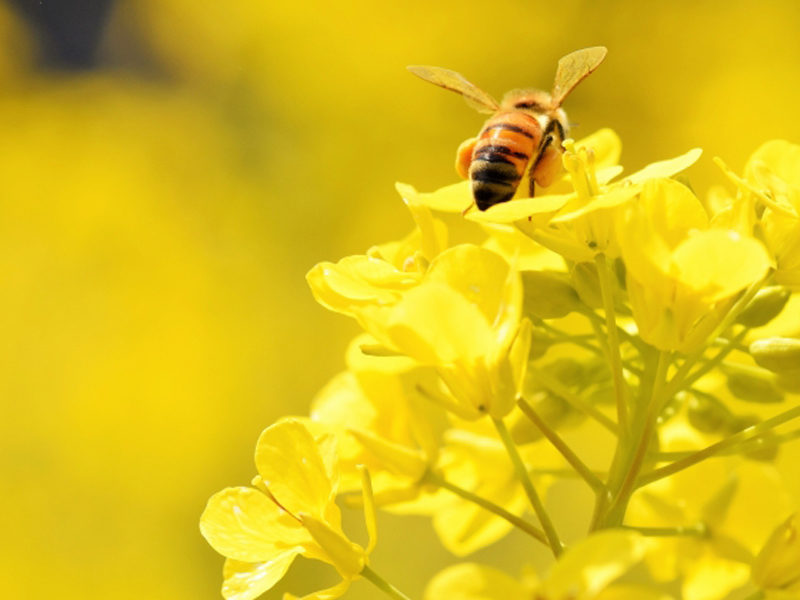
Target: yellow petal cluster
291, 511
586, 571
680, 272
617, 333
777, 566
774, 170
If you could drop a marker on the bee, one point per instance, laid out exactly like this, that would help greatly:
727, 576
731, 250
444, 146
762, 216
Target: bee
523, 135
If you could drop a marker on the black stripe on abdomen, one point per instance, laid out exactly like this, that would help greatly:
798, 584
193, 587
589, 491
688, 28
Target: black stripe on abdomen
492, 182
491, 149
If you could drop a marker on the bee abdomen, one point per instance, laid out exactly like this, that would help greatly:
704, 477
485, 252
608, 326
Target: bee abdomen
501, 155
493, 181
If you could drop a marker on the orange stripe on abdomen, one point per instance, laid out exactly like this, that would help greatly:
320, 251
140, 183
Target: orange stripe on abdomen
510, 136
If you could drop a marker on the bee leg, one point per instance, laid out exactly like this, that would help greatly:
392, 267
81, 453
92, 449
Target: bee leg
548, 163
468, 209
532, 179
464, 156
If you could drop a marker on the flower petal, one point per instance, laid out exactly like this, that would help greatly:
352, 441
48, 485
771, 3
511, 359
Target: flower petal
356, 281
666, 168
520, 209
347, 557
436, 325
719, 263
331, 593
632, 592
453, 198
605, 144
470, 581
482, 277
290, 463
592, 564
781, 157
246, 581
613, 197
244, 524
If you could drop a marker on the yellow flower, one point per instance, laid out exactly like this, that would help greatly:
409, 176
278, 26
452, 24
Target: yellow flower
379, 277
465, 320
381, 420
774, 169
577, 224
777, 566
475, 460
681, 274
291, 511
730, 503
586, 225
586, 571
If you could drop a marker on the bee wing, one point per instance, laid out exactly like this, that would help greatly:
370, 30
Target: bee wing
450, 80
574, 68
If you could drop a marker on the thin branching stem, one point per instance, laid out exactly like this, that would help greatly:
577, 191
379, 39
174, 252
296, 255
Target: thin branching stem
383, 585
678, 380
621, 391
713, 362
696, 530
501, 512
561, 336
580, 467
646, 424
536, 502
559, 389
744, 435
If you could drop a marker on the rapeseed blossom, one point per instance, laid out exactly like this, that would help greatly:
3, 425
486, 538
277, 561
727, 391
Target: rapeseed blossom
619, 331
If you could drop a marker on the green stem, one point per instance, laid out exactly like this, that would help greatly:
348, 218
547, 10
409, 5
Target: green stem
647, 424
697, 530
777, 440
383, 585
714, 362
501, 512
588, 476
620, 387
563, 473
567, 338
563, 392
737, 438
596, 320
522, 474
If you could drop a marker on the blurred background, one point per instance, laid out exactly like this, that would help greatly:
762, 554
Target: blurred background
169, 170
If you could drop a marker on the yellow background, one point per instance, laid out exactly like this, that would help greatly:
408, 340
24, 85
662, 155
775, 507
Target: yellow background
158, 214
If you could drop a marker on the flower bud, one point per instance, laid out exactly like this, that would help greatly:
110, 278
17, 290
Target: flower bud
540, 342
762, 448
765, 306
395, 457
789, 381
777, 354
753, 385
548, 295
777, 566
348, 558
765, 447
708, 414
552, 409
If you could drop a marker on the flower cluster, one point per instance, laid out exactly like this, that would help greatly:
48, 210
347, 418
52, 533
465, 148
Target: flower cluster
624, 315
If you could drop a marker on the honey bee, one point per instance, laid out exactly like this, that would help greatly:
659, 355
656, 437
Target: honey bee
524, 133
